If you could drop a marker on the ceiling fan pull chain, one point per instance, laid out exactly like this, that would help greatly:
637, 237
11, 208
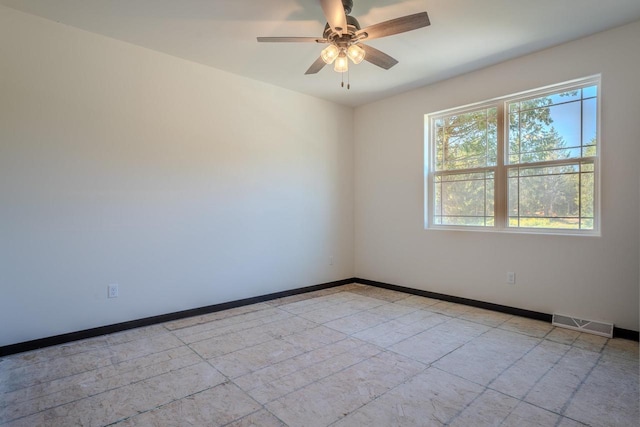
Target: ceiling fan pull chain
348, 80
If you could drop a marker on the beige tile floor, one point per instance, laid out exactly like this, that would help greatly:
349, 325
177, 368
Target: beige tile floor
348, 356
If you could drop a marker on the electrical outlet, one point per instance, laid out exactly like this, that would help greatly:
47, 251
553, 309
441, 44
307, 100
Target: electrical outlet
112, 290
331, 260
511, 277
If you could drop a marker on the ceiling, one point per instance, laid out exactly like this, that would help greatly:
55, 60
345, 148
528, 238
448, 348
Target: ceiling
464, 35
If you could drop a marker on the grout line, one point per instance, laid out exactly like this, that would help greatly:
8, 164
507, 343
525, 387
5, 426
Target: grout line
316, 380
579, 386
97, 368
102, 392
165, 404
380, 396
112, 347
542, 340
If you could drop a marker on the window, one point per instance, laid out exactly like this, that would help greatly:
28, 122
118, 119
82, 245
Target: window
527, 162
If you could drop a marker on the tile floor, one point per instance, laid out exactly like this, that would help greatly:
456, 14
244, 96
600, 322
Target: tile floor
348, 356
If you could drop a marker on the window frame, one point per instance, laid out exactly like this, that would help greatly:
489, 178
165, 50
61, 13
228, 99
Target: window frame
502, 166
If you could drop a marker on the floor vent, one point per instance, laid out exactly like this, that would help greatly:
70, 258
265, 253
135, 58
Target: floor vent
590, 326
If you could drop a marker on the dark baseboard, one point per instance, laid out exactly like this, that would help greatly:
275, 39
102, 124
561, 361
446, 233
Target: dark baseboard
458, 300
617, 332
148, 321
627, 334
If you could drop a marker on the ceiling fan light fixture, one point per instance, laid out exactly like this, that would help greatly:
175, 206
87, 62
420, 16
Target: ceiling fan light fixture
330, 53
355, 53
342, 63
343, 34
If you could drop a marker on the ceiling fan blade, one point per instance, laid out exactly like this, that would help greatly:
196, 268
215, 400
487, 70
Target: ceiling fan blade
291, 39
334, 12
377, 57
316, 66
394, 26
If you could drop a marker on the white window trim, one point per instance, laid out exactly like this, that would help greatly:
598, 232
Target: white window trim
502, 166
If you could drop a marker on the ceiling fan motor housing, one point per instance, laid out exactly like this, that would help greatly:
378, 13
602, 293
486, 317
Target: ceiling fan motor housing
352, 27
348, 5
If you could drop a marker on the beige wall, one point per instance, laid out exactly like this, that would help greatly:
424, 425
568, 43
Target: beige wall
591, 277
185, 185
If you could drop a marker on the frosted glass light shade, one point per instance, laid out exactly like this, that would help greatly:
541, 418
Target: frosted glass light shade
342, 63
330, 53
355, 53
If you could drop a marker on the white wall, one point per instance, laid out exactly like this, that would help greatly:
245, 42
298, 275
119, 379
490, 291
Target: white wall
185, 185
591, 277
189, 186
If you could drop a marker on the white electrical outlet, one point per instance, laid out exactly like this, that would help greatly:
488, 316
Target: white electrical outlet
331, 260
511, 277
112, 290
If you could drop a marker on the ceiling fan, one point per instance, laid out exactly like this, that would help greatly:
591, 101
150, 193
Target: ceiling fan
345, 37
